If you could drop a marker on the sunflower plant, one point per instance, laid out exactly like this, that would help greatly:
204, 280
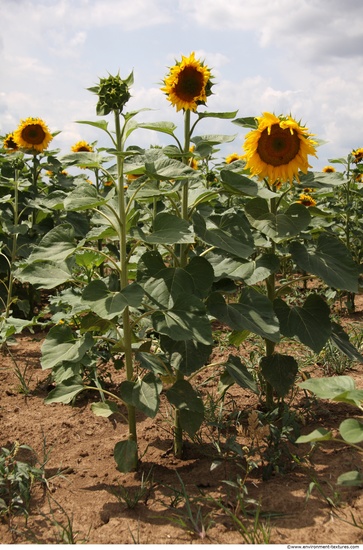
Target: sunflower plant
160, 251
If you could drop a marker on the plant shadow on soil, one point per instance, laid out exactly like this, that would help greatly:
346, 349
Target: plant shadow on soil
83, 482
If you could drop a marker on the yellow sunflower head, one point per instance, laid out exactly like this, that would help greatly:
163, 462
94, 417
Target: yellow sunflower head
82, 146
359, 178
278, 148
306, 200
188, 84
33, 134
9, 144
232, 158
329, 169
358, 155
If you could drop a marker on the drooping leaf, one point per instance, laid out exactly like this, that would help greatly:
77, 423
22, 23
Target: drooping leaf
341, 340
309, 323
167, 229
328, 387
331, 261
253, 312
108, 304
83, 197
46, 273
184, 398
283, 225
66, 391
280, 371
104, 408
229, 232
143, 394
57, 244
125, 454
238, 371
202, 274
187, 356
62, 344
320, 434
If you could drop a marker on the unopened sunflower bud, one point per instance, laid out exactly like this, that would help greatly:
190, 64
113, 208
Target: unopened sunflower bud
113, 93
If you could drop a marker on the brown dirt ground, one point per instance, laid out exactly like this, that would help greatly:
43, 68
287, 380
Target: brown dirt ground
80, 446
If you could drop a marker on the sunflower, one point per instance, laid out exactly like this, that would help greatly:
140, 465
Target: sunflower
82, 146
9, 144
33, 133
306, 200
329, 169
278, 148
232, 158
188, 84
358, 155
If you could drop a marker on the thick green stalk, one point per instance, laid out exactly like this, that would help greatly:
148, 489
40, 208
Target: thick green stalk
124, 273
178, 431
271, 291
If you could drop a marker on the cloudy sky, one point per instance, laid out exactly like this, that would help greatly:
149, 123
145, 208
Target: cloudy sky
284, 56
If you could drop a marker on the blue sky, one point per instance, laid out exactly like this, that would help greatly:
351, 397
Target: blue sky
285, 56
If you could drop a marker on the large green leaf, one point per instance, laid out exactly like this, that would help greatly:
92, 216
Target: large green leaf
167, 286
83, 197
202, 274
108, 304
104, 408
229, 232
238, 371
164, 127
280, 371
66, 391
152, 362
57, 244
143, 394
165, 168
351, 430
309, 323
328, 387
167, 229
187, 356
83, 159
320, 434
46, 273
251, 272
62, 344
185, 320
125, 454
283, 225
184, 398
331, 261
239, 184
253, 312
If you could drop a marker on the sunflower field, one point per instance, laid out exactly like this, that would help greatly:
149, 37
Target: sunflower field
140, 265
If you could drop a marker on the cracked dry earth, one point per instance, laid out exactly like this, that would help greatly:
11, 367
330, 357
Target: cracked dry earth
84, 486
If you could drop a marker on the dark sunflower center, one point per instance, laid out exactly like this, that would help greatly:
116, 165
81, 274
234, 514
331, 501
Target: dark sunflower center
34, 134
190, 84
83, 148
279, 147
10, 143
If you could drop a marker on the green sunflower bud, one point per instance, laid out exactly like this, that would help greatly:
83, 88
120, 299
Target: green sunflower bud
113, 93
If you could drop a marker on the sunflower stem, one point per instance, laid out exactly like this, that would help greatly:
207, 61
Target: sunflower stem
183, 260
271, 292
124, 272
